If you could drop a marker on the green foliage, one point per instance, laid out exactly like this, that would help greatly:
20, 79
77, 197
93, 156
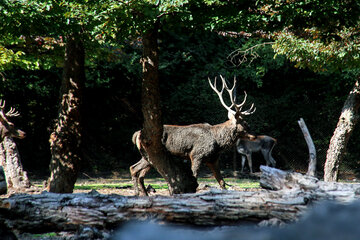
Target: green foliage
321, 35
319, 55
34, 34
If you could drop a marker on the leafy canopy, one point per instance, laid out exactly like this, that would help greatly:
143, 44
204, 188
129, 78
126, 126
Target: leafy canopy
320, 35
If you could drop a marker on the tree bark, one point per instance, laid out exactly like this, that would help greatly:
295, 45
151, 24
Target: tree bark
65, 141
342, 133
178, 176
16, 177
50, 212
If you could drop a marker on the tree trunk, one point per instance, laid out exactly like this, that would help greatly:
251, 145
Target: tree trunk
10, 159
65, 141
342, 133
178, 177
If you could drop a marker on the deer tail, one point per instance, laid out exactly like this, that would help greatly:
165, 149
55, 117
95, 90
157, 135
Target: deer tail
136, 139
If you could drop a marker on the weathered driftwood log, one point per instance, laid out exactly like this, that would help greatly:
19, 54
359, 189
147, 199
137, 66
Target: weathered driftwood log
275, 179
67, 212
49, 211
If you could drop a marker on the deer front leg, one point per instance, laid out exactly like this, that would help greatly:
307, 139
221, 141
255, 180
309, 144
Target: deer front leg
138, 172
214, 167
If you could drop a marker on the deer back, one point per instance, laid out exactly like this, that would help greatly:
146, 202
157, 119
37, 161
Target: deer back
181, 140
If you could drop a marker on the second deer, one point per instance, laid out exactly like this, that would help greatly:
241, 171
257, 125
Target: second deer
201, 143
262, 143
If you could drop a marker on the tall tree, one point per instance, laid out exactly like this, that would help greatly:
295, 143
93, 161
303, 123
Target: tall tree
65, 140
44, 28
148, 18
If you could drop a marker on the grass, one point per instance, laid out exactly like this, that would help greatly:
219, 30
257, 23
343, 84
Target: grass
44, 235
159, 183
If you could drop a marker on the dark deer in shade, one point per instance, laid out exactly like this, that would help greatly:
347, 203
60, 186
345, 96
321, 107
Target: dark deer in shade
262, 143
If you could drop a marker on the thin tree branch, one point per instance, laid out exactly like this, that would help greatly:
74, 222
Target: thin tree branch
239, 57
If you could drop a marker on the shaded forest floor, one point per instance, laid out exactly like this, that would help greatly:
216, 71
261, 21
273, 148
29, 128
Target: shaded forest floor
124, 186
121, 183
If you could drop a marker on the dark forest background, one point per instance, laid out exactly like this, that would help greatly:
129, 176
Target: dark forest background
112, 109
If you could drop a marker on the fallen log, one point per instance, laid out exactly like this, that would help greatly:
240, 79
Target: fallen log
68, 212
49, 211
275, 179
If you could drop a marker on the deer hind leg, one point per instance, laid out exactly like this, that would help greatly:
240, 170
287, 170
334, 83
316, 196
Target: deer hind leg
249, 158
214, 167
138, 172
243, 159
268, 158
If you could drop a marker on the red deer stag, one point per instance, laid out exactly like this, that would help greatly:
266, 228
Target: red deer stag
16, 177
262, 143
201, 143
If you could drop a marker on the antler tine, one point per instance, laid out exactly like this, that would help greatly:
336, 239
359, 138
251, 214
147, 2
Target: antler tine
250, 111
2, 114
239, 106
230, 91
2, 104
12, 113
219, 93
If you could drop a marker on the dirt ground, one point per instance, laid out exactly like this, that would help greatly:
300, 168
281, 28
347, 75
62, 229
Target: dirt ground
121, 184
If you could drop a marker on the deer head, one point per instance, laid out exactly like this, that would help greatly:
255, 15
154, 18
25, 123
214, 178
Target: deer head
7, 128
235, 112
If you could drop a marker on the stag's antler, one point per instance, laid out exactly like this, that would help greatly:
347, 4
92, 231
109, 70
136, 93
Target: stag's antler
238, 107
11, 113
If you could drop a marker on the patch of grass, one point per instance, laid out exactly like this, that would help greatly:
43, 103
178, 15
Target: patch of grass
97, 186
159, 183
43, 235
240, 183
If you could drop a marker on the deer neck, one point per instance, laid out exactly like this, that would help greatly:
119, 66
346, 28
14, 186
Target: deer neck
226, 133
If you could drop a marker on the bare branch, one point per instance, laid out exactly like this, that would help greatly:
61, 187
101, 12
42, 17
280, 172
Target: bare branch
238, 57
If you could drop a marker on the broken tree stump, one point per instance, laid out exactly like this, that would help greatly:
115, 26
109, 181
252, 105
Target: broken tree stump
312, 150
